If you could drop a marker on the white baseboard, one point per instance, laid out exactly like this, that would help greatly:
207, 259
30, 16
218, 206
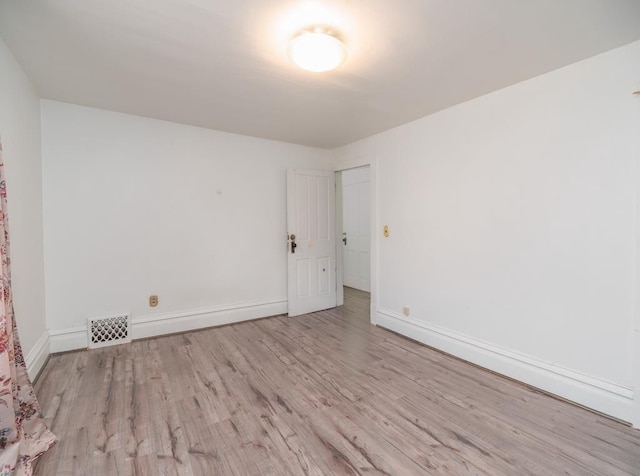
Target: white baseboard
159, 324
37, 356
605, 397
636, 378
74, 338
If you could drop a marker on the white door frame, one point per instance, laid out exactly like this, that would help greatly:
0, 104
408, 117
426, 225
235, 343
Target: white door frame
359, 179
338, 227
376, 229
635, 330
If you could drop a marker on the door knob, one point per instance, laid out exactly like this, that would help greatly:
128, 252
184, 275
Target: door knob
344, 239
293, 244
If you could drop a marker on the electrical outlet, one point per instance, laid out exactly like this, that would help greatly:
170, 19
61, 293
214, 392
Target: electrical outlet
406, 311
153, 300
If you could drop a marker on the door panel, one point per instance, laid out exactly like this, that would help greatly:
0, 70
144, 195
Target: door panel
311, 218
303, 269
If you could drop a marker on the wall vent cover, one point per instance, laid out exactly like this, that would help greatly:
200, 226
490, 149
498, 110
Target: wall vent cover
113, 330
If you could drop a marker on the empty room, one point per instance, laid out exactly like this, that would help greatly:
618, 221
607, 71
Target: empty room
289, 237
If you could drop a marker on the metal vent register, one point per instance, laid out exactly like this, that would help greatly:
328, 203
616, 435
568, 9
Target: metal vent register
112, 330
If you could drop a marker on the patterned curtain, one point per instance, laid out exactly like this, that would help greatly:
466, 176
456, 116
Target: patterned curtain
23, 433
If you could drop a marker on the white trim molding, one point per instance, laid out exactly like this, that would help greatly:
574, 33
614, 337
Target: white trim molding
37, 356
635, 355
159, 324
603, 396
635, 420
370, 160
74, 338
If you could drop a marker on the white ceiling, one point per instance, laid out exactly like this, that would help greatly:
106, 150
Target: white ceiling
222, 64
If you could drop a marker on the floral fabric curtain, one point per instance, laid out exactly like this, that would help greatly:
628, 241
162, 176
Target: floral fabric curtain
23, 433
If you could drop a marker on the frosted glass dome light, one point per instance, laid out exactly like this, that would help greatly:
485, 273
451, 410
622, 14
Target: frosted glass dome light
317, 50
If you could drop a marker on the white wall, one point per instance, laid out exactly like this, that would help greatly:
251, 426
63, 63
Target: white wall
20, 132
513, 225
136, 206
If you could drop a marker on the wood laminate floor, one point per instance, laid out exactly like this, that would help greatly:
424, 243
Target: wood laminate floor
325, 393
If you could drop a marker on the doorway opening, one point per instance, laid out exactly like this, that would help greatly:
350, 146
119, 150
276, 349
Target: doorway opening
353, 216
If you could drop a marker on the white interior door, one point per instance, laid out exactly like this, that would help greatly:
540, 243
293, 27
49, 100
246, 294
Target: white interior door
311, 254
356, 228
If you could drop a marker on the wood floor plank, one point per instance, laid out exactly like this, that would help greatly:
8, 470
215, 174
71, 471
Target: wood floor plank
324, 393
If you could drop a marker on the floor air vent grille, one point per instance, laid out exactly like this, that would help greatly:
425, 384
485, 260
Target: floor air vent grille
112, 330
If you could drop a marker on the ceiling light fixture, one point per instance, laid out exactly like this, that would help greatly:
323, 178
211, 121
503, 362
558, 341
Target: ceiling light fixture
317, 49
